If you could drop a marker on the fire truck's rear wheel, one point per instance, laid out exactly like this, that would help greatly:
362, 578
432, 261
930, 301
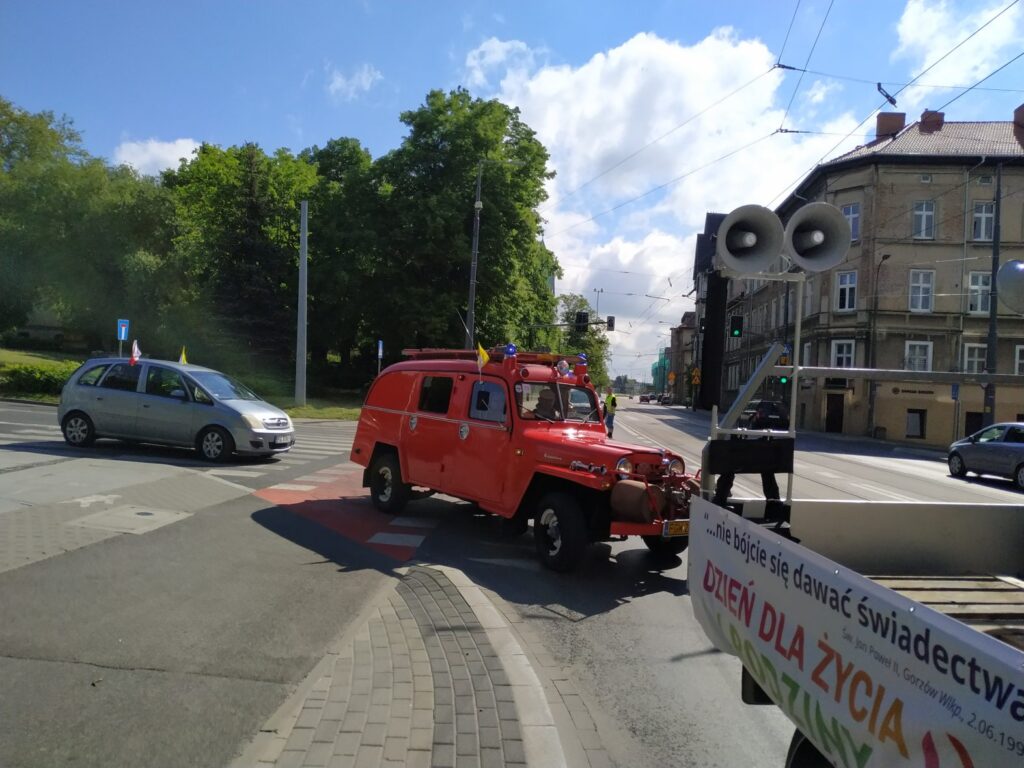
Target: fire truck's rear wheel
387, 491
559, 531
666, 547
803, 754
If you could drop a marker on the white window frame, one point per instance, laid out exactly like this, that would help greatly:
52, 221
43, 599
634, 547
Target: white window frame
851, 212
843, 349
774, 315
984, 221
1018, 359
927, 345
805, 355
922, 290
979, 292
974, 363
846, 291
923, 221
809, 296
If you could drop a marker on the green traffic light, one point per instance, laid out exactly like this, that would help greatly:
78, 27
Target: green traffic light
784, 379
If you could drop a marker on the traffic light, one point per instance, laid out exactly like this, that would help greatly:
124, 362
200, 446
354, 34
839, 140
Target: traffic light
736, 326
611, 322
783, 379
582, 322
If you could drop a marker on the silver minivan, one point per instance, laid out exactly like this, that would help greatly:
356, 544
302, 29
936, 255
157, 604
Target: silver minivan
158, 401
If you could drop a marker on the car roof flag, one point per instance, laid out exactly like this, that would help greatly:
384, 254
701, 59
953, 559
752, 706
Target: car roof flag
482, 358
136, 353
182, 359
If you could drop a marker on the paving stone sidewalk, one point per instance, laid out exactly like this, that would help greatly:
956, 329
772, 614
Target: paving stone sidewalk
436, 677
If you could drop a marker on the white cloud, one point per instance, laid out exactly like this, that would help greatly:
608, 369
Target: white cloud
497, 55
625, 123
152, 156
348, 87
929, 28
820, 90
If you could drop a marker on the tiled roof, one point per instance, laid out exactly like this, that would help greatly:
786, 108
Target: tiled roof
995, 139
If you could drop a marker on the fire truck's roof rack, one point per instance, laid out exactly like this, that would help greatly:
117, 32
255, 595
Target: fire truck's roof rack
496, 355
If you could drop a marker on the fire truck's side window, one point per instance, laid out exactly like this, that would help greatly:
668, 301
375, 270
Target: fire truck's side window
487, 402
436, 394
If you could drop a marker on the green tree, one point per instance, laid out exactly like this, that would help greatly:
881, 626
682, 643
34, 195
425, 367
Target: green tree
592, 341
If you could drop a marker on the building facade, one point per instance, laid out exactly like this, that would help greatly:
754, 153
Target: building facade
914, 290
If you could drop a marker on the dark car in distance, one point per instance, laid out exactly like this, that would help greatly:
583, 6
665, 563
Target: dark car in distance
765, 414
996, 450
645, 398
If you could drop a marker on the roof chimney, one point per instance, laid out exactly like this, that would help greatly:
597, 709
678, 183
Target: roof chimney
889, 123
1018, 117
931, 121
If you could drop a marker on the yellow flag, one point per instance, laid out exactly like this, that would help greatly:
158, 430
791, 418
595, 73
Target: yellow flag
482, 357
182, 359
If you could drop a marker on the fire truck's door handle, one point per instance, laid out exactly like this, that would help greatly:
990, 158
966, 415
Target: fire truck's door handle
463, 431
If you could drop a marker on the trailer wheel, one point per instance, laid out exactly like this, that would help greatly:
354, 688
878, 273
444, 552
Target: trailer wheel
387, 491
559, 532
957, 468
662, 547
803, 754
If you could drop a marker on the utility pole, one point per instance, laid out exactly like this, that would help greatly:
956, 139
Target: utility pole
300, 333
470, 312
989, 411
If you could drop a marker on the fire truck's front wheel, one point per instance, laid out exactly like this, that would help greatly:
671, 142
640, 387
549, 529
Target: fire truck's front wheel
559, 531
387, 491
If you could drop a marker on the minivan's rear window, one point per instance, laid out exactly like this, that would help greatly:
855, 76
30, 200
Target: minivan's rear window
122, 376
436, 394
91, 376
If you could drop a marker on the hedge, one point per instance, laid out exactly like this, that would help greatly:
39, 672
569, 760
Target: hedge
45, 379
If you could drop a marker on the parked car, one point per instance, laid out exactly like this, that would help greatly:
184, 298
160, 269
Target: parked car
645, 398
996, 450
158, 401
765, 414
665, 400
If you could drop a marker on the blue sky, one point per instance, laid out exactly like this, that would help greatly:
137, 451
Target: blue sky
145, 81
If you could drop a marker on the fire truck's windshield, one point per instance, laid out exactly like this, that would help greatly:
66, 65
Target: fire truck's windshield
556, 402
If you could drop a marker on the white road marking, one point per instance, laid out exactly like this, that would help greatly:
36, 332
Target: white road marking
87, 501
414, 522
292, 487
397, 539
234, 473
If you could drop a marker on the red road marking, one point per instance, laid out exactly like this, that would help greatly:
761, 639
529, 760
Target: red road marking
343, 506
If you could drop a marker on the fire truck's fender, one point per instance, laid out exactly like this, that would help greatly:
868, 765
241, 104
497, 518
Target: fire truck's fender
591, 492
378, 450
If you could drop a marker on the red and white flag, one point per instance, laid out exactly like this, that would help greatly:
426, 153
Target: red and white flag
136, 354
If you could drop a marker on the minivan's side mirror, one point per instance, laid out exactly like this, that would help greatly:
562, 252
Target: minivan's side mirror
178, 394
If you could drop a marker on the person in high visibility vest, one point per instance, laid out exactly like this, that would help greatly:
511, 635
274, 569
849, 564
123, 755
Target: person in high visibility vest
609, 411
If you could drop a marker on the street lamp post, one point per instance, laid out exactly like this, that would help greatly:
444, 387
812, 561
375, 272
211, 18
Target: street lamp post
477, 207
873, 385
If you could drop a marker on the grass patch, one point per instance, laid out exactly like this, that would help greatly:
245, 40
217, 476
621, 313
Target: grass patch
341, 408
21, 357
34, 397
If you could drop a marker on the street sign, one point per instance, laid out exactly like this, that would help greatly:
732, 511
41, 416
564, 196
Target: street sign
122, 330
671, 377
695, 376
956, 391
380, 349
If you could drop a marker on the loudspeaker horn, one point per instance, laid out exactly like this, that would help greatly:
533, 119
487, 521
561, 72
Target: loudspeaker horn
1010, 285
817, 237
749, 239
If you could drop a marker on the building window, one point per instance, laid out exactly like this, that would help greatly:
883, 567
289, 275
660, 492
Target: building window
846, 291
926, 178
979, 292
984, 219
974, 358
916, 422
1018, 362
985, 181
773, 315
918, 356
852, 214
842, 353
922, 289
924, 220
805, 359
809, 297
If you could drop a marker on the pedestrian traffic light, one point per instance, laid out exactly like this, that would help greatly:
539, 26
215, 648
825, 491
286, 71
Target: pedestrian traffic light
784, 379
611, 322
582, 321
736, 326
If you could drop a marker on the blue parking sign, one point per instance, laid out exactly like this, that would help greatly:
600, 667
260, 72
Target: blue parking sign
122, 330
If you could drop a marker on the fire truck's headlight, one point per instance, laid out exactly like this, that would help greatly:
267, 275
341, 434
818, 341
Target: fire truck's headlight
624, 467
676, 467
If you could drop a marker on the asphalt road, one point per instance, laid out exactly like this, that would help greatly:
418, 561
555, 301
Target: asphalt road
173, 646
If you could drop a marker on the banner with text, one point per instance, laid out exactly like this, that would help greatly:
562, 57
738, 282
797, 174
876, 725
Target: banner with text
870, 676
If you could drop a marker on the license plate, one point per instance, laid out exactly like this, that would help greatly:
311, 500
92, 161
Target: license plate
676, 528
282, 443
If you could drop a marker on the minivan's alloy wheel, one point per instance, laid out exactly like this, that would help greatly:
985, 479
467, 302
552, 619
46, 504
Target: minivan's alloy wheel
215, 444
1018, 477
387, 491
559, 531
957, 468
78, 430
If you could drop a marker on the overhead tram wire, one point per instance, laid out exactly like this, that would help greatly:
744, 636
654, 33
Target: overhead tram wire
810, 53
551, 203
659, 187
927, 69
999, 69
845, 78
792, 18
